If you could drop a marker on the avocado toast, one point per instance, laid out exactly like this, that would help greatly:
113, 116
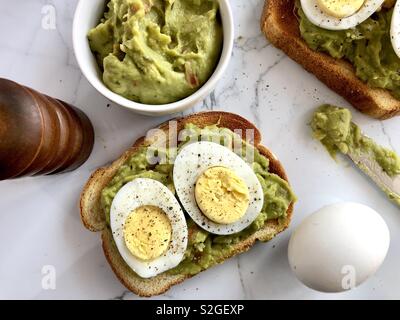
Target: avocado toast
94, 217
280, 22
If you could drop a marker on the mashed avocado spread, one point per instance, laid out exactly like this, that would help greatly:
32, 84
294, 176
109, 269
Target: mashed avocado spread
157, 51
205, 249
333, 127
367, 47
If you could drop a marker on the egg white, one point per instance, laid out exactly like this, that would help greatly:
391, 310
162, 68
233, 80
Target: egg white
141, 192
197, 157
395, 29
325, 21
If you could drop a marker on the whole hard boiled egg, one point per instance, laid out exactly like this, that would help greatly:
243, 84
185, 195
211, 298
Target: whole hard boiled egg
217, 188
149, 227
338, 247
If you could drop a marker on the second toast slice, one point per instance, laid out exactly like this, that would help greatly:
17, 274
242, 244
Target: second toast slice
280, 25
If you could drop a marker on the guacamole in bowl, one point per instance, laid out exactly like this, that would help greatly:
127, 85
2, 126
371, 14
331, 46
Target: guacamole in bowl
157, 51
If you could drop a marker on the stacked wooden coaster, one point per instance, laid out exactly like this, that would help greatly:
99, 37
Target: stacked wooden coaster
40, 135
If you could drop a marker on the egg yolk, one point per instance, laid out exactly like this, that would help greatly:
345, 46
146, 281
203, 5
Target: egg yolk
340, 8
147, 232
221, 195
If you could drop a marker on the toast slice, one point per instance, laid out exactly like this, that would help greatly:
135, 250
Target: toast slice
93, 217
280, 25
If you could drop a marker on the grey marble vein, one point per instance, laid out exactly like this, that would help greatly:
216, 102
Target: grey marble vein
389, 138
255, 106
210, 102
122, 296
241, 277
251, 43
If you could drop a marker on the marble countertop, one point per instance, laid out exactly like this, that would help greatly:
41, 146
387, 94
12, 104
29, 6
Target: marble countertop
41, 228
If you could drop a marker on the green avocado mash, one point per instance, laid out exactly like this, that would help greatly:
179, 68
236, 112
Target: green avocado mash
367, 47
205, 249
333, 127
157, 51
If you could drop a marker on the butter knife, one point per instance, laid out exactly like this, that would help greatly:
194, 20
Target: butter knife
366, 163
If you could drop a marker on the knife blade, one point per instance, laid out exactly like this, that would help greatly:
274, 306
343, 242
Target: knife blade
366, 162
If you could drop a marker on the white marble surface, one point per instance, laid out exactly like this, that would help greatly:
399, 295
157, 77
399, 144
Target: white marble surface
39, 217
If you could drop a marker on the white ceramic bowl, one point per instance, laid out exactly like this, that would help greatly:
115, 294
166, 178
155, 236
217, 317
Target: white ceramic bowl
87, 16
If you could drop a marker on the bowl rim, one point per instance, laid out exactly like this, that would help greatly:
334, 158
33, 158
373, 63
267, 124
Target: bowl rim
180, 105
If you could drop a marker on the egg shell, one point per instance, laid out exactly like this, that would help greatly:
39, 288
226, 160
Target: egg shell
338, 247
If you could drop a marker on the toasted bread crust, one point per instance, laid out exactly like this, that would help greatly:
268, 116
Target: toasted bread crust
280, 25
93, 218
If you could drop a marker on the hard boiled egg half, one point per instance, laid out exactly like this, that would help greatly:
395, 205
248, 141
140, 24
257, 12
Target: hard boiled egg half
149, 227
346, 14
339, 14
217, 188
